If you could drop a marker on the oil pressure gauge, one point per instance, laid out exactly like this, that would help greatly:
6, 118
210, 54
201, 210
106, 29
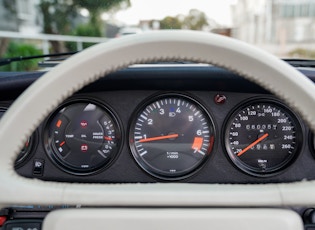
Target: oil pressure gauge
82, 137
171, 136
262, 137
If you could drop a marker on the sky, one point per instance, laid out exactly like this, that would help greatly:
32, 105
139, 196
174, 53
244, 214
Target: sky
219, 10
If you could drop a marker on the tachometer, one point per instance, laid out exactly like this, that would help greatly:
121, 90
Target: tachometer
82, 137
171, 136
262, 137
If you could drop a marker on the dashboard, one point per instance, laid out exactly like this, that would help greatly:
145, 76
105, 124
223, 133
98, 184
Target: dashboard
183, 123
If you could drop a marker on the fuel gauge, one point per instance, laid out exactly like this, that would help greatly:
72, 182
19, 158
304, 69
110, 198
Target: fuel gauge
28, 146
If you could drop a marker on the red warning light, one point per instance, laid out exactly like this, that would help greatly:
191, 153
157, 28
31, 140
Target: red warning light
84, 124
58, 124
84, 148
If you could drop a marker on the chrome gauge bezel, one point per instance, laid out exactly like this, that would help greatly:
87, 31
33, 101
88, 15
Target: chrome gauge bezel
239, 164
311, 143
136, 156
27, 151
26, 154
57, 161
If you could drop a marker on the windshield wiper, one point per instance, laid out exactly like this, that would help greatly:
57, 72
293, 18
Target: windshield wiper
6, 61
301, 62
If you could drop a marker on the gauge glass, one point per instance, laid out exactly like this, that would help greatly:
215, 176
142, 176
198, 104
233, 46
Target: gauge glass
262, 137
83, 137
171, 136
23, 155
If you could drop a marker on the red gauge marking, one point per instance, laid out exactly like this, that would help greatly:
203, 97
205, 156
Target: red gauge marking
59, 122
158, 138
197, 143
253, 144
108, 138
62, 143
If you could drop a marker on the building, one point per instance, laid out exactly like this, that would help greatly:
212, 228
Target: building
279, 26
21, 17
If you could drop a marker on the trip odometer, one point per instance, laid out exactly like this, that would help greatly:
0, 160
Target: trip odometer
262, 137
171, 136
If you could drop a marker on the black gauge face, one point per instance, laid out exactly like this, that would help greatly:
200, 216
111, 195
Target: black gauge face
171, 136
262, 137
27, 147
83, 137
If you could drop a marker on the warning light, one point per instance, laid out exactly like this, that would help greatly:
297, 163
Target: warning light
84, 124
84, 148
59, 122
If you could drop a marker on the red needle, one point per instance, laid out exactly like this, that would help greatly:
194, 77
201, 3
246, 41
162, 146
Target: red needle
253, 144
158, 138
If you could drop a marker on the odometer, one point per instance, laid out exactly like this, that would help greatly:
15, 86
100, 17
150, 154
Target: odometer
262, 137
171, 136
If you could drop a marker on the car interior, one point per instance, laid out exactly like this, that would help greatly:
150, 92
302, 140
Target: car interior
159, 130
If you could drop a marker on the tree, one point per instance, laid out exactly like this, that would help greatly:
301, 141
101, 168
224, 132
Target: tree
9, 5
16, 49
59, 14
195, 20
170, 23
96, 7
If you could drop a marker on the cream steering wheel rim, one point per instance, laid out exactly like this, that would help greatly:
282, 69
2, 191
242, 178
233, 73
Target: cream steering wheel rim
45, 94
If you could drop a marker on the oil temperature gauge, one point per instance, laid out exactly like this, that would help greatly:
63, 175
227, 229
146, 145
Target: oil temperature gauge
82, 137
262, 137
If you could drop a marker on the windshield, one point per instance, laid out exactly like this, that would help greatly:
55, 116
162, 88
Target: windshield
285, 28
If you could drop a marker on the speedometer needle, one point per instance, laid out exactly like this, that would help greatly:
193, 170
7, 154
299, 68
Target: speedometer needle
158, 138
253, 144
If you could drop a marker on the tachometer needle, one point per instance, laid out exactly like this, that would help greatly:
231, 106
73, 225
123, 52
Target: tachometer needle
158, 138
253, 144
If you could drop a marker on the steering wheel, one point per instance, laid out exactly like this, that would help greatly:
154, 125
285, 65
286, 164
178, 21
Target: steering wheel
45, 94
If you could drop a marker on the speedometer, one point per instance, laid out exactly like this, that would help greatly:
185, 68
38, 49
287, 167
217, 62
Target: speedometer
262, 137
171, 136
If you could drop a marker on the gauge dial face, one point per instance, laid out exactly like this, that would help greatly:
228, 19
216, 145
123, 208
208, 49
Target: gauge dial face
83, 137
171, 136
262, 137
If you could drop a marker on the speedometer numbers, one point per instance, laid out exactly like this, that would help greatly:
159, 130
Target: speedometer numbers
171, 136
83, 137
262, 137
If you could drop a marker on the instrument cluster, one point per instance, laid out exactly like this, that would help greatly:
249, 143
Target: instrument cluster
165, 136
